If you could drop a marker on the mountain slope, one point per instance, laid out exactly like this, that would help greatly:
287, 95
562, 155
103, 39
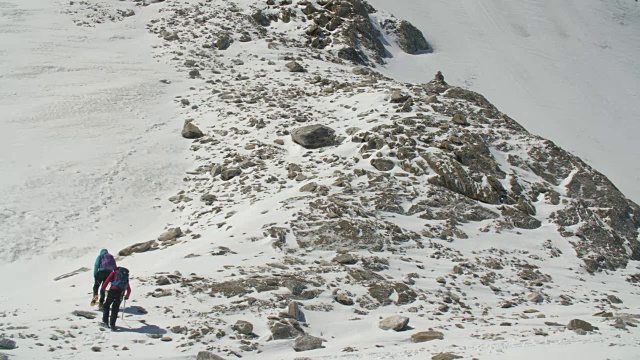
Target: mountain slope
324, 197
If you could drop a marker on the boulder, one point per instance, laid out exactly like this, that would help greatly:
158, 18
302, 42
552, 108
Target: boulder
432, 99
353, 55
382, 164
314, 136
459, 119
138, 248
424, 336
398, 98
85, 314
445, 356
310, 187
259, 17
295, 67
395, 323
223, 42
179, 329
345, 259
535, 297
216, 170
229, 174
207, 355
294, 312
7, 344
283, 331
577, 324
343, 299
190, 131
411, 39
361, 70
614, 299
308, 342
170, 234
243, 327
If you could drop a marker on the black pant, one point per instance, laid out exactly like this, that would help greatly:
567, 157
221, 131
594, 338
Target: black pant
114, 298
100, 277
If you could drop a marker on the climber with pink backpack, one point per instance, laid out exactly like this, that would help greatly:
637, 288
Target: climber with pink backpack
105, 264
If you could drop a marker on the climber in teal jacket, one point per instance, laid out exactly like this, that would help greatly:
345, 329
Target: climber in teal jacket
104, 265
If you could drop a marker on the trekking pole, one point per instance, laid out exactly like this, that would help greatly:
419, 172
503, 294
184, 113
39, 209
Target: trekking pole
124, 308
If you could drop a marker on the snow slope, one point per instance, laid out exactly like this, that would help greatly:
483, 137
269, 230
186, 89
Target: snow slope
87, 129
566, 70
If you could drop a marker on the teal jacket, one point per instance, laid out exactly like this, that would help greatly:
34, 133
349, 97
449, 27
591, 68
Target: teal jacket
96, 267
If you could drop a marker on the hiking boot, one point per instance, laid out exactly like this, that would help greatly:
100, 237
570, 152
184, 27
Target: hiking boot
114, 328
100, 306
94, 300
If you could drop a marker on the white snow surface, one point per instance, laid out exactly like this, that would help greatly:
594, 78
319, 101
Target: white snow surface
87, 133
565, 70
91, 151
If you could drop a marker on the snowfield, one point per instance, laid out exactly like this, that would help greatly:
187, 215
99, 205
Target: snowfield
94, 94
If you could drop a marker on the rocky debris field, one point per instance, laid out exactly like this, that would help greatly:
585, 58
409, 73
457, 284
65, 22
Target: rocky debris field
335, 210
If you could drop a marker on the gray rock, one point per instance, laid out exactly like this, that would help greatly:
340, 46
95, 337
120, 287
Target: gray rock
343, 299
445, 356
7, 344
352, 54
395, 323
361, 70
308, 342
138, 248
223, 42
243, 327
411, 39
424, 336
179, 329
314, 136
259, 17
398, 98
432, 99
207, 355
229, 174
170, 234
4, 356
190, 131
614, 299
577, 324
85, 314
535, 297
382, 164
195, 73
345, 259
459, 119
294, 312
73, 273
281, 331
455, 178
295, 67
162, 281
310, 187
216, 170
208, 199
